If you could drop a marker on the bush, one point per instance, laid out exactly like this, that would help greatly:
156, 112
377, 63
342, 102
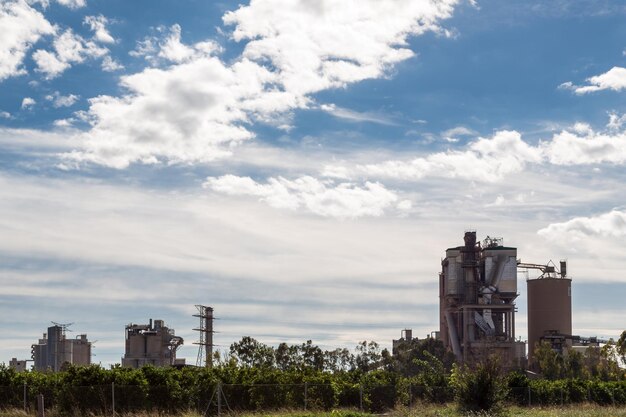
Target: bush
480, 389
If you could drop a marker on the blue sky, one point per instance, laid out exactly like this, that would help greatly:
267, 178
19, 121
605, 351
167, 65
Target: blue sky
301, 165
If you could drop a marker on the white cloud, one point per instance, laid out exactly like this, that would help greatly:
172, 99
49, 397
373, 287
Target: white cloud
145, 48
355, 116
614, 79
169, 48
616, 121
20, 27
293, 50
317, 45
594, 242
505, 153
486, 159
111, 65
69, 48
73, 4
59, 100
5, 115
324, 198
64, 123
173, 49
582, 145
452, 135
98, 24
167, 117
28, 102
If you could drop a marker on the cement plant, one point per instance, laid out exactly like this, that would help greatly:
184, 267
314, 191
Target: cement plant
478, 289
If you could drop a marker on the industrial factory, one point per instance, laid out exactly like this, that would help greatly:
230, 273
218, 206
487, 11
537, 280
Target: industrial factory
54, 350
477, 291
151, 344
477, 310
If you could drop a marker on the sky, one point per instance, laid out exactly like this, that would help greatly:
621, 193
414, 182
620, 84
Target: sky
301, 165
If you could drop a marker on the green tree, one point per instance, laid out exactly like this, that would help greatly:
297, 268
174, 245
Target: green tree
574, 364
250, 353
621, 347
312, 356
549, 361
340, 359
368, 356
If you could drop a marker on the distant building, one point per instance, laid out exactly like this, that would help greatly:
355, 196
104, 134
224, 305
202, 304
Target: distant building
18, 366
54, 350
151, 344
406, 336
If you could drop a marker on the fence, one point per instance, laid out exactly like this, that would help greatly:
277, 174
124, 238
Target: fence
218, 398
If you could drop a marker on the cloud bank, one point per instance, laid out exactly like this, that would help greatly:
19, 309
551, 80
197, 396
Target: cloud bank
199, 107
324, 198
611, 224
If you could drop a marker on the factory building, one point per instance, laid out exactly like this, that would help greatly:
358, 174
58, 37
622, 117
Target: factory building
55, 349
406, 336
151, 344
17, 365
477, 292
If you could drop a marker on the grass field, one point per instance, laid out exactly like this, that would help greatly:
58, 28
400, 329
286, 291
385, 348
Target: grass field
425, 410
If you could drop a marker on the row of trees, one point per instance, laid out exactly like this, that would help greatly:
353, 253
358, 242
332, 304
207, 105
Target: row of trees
367, 356
254, 376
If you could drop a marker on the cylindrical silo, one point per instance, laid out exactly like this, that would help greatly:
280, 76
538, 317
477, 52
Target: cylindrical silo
549, 309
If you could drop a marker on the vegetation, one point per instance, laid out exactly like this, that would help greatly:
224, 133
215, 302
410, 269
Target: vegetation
482, 388
255, 377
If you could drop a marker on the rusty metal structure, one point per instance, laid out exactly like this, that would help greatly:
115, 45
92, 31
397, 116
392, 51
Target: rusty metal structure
151, 344
477, 292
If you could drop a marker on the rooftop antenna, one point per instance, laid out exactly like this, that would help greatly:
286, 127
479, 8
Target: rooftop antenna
63, 326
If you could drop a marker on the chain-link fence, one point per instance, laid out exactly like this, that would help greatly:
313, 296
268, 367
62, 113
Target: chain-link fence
217, 398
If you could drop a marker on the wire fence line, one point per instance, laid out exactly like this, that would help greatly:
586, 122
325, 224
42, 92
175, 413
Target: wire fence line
217, 398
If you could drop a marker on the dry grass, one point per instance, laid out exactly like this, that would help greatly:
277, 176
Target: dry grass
450, 410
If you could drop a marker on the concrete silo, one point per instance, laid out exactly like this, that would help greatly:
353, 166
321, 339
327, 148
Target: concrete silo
549, 308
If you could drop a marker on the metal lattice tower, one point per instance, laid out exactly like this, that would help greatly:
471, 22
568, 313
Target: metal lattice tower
205, 344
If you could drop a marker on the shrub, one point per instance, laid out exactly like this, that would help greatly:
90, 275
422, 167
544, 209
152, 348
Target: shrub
480, 389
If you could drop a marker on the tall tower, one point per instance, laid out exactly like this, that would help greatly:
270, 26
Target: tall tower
205, 342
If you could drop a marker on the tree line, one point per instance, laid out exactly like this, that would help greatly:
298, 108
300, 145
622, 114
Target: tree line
255, 376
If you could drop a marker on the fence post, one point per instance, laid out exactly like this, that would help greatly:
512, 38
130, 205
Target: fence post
529, 402
25, 398
113, 397
41, 412
306, 392
361, 397
219, 399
